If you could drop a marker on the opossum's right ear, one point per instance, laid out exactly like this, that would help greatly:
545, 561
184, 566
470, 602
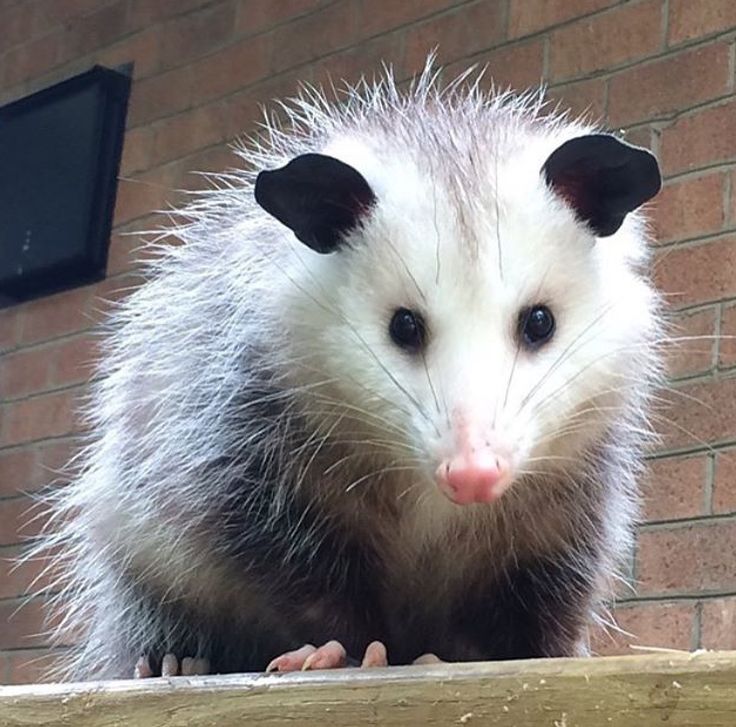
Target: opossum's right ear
319, 197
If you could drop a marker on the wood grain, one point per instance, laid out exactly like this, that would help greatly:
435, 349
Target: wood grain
677, 690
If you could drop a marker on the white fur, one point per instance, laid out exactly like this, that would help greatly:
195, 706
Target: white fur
466, 231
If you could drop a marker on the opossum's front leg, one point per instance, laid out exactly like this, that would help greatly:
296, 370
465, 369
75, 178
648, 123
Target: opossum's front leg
171, 667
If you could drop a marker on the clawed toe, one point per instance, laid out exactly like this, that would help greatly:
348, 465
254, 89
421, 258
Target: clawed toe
375, 655
171, 667
194, 667
331, 655
143, 668
291, 660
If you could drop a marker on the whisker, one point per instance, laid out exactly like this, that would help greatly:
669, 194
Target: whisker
563, 356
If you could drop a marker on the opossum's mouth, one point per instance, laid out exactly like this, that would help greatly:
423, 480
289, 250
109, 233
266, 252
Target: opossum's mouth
475, 477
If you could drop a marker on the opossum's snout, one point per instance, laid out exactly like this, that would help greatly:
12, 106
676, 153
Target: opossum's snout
480, 470
481, 477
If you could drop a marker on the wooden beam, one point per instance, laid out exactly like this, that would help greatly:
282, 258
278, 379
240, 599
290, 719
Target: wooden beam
677, 690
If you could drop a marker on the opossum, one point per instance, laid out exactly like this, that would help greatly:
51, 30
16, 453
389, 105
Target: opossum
388, 398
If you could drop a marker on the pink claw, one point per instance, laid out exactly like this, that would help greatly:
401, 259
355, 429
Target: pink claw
331, 655
291, 660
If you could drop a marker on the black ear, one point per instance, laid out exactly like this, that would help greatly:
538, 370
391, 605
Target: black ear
320, 198
602, 179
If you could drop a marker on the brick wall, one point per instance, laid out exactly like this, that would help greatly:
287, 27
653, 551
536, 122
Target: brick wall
663, 70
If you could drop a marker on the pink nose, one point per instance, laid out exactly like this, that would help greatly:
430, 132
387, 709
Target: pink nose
476, 478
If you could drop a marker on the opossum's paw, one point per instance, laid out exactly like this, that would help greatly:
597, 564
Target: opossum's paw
171, 667
331, 655
428, 659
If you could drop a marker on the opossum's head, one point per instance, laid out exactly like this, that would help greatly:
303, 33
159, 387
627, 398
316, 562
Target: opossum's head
481, 317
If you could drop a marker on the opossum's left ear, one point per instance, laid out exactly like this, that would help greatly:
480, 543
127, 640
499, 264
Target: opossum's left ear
319, 197
602, 179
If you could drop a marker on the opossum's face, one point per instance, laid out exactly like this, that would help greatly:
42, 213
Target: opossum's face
478, 329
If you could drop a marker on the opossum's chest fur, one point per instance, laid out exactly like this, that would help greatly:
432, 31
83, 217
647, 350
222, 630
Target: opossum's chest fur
322, 564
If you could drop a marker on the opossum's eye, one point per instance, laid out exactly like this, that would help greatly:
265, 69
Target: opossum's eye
536, 325
408, 330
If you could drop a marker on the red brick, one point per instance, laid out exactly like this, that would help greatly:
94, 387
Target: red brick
727, 342
255, 16
18, 24
697, 273
141, 196
111, 291
20, 519
698, 140
669, 85
688, 558
85, 33
231, 69
50, 13
17, 468
365, 59
245, 109
185, 174
21, 576
189, 131
718, 630
530, 16
8, 328
137, 150
41, 417
55, 315
72, 361
25, 624
59, 72
693, 353
674, 488
144, 13
689, 208
698, 413
662, 625
30, 666
30, 59
329, 29
143, 49
582, 98
519, 66
161, 95
127, 252
24, 372
380, 16
724, 483
689, 20
53, 462
467, 30
197, 33
639, 136
120, 256
627, 33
